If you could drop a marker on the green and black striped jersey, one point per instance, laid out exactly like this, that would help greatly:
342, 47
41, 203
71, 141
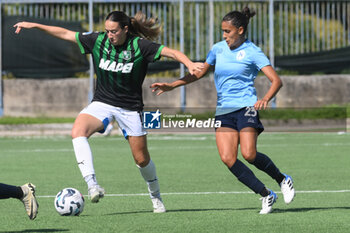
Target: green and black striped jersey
120, 70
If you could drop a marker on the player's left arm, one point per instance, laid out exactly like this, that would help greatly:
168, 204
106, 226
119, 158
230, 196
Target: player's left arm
160, 88
181, 57
59, 32
276, 84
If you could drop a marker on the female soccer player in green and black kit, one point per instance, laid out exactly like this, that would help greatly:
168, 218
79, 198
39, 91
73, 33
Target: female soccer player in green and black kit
121, 54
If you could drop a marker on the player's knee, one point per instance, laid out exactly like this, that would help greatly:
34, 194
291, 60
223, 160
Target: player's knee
78, 132
74, 133
249, 156
142, 162
228, 159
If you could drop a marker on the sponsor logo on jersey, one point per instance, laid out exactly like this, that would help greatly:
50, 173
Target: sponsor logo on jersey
115, 67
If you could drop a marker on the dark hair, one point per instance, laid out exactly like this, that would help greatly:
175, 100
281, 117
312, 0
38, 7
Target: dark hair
239, 19
138, 25
120, 17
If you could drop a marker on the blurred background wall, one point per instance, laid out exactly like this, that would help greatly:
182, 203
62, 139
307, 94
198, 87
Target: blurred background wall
67, 97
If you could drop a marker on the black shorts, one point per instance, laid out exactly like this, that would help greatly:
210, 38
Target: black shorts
242, 118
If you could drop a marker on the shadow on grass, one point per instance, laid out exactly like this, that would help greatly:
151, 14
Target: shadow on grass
36, 230
307, 209
275, 210
183, 210
214, 209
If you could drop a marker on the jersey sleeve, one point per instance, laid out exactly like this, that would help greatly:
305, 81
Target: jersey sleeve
260, 59
211, 57
150, 50
86, 41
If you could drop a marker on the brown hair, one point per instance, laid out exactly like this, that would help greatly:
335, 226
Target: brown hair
139, 25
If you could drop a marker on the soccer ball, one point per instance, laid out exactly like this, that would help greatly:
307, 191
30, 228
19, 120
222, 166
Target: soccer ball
69, 202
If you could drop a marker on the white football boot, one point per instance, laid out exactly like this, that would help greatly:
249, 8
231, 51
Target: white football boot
96, 193
287, 189
158, 206
267, 202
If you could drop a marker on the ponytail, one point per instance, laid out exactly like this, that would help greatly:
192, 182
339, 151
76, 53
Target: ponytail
247, 13
148, 28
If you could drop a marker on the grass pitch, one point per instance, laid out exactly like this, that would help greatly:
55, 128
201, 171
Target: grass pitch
200, 194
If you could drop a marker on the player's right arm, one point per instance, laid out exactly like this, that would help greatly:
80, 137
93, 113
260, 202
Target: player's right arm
163, 87
58, 32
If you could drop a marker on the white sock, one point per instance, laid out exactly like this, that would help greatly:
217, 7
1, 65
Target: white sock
149, 174
109, 129
90, 180
84, 158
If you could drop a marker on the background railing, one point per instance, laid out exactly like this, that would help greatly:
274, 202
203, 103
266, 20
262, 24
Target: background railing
299, 26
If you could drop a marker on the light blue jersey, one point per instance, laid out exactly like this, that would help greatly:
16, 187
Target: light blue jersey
235, 72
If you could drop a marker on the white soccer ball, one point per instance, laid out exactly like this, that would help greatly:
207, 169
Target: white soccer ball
69, 202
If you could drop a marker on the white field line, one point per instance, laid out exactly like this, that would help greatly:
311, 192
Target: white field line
40, 150
208, 193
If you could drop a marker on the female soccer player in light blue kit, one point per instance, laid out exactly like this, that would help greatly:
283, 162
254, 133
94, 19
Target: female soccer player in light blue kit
237, 62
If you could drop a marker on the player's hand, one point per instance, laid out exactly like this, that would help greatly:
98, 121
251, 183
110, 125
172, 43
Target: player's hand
161, 87
195, 66
21, 25
261, 104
